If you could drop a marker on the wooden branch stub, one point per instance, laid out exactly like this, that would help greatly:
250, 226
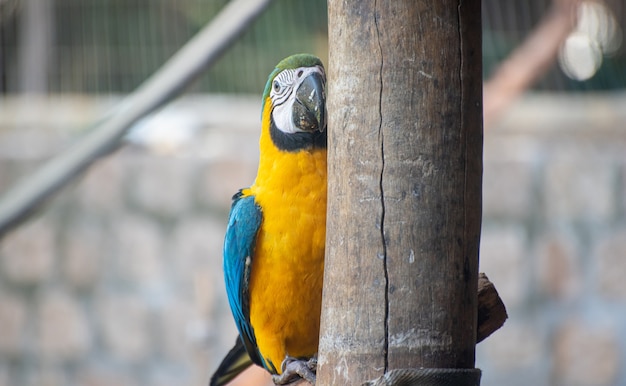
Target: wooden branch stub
491, 309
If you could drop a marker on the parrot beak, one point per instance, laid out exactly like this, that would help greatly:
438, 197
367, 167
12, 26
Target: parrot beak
309, 109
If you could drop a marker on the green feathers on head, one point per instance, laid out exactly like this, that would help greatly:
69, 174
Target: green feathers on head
290, 62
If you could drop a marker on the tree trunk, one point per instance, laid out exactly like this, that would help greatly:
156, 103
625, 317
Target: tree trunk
405, 175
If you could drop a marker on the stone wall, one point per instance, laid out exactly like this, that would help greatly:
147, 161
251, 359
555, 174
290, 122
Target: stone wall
554, 241
117, 281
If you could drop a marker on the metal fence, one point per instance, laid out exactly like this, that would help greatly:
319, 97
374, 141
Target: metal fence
111, 46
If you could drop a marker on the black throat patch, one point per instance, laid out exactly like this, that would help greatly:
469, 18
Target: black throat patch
297, 141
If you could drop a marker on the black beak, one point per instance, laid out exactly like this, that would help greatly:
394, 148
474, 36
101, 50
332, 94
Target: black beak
309, 109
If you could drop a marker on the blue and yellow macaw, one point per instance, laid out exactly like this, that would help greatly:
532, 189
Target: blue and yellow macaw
274, 246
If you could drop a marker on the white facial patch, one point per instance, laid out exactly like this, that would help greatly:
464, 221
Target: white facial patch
283, 95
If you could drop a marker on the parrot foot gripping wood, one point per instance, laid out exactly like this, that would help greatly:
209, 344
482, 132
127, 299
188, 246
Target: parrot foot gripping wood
294, 369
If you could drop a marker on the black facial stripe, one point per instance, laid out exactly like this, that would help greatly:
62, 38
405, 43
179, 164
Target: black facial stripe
297, 141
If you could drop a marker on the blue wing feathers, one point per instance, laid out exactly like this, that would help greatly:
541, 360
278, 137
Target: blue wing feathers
243, 225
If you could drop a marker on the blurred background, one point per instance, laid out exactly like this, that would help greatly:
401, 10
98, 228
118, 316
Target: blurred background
117, 281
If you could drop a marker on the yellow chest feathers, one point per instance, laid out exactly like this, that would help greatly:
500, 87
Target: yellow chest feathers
292, 197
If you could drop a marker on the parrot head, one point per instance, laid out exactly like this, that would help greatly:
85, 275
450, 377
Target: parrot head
295, 92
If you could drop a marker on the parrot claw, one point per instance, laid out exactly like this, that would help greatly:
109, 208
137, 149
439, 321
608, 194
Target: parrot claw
294, 369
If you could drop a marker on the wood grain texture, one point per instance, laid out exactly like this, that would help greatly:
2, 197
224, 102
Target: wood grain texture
405, 167
357, 267
491, 310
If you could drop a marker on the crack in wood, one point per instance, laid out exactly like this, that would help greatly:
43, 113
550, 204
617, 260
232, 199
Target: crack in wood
382, 193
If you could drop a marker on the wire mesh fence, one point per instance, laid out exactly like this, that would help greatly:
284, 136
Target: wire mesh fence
110, 46
103, 46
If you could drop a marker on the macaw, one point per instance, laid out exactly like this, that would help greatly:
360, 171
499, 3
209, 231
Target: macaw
275, 239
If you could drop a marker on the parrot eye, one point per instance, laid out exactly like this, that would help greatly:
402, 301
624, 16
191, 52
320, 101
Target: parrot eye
282, 86
300, 73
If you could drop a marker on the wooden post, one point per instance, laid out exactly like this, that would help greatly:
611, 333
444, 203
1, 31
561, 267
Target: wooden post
405, 168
